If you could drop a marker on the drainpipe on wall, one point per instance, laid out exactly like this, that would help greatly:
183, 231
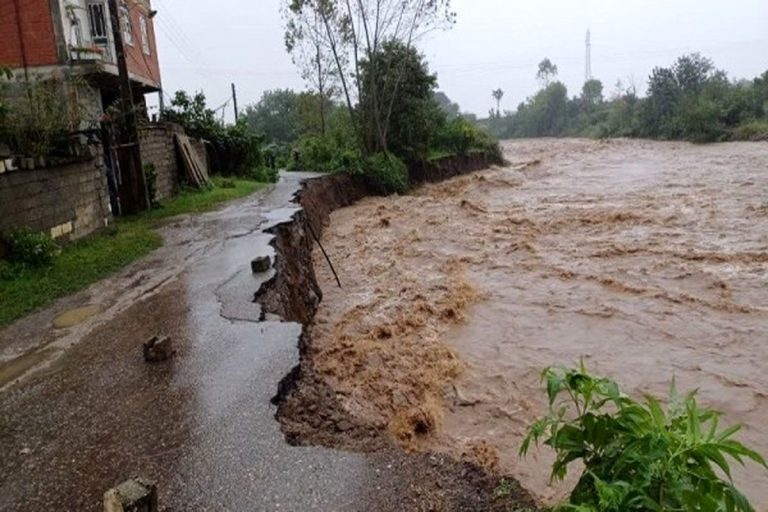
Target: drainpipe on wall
161, 99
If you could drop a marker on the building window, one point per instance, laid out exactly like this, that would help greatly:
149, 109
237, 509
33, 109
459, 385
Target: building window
125, 24
98, 21
144, 35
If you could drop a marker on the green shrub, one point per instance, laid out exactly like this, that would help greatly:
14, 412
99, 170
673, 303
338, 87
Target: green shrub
316, 153
461, 137
457, 136
751, 130
263, 173
150, 176
38, 113
637, 456
27, 248
327, 153
386, 173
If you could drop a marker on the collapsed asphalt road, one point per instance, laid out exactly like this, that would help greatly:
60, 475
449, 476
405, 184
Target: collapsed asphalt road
88, 412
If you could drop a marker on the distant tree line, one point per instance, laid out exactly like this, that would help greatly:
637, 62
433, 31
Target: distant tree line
691, 100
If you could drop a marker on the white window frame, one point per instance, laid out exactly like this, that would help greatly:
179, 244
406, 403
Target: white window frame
125, 24
144, 28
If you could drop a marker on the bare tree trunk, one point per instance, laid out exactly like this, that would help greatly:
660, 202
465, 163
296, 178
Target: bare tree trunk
367, 143
373, 60
402, 71
321, 90
340, 68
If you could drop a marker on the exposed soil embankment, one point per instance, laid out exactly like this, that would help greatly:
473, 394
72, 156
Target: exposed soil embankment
312, 408
293, 293
447, 167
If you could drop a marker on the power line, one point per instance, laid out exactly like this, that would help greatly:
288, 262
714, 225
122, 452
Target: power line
173, 28
495, 66
174, 41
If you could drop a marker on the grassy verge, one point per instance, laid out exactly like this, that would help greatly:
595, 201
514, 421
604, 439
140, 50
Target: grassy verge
86, 261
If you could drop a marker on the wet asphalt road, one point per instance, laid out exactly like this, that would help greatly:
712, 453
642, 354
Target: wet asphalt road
92, 413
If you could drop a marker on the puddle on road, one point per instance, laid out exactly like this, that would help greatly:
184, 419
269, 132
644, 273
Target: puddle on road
648, 259
17, 367
75, 317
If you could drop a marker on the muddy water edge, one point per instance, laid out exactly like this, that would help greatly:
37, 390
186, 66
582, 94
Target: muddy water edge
648, 259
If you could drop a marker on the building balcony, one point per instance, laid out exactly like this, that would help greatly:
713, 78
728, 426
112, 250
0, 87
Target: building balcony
90, 54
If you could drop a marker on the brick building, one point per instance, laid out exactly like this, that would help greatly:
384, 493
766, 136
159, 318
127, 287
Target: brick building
44, 37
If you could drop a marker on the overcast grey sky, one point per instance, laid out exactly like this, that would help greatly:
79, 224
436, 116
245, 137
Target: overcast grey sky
495, 43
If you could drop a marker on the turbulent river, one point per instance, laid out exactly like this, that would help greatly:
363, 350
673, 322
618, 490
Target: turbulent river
647, 259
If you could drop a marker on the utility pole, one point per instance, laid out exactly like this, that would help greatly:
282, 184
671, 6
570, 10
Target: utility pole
234, 100
588, 68
133, 189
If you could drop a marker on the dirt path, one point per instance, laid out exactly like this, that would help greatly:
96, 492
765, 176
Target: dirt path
648, 259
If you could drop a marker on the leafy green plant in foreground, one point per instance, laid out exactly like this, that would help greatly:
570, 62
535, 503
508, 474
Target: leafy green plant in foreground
638, 455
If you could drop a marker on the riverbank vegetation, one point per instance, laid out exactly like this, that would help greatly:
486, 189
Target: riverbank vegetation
690, 100
373, 108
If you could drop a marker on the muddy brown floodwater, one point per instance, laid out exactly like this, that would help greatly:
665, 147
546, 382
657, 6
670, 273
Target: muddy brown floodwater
649, 259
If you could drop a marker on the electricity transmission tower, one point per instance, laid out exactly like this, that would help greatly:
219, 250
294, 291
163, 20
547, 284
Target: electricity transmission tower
588, 68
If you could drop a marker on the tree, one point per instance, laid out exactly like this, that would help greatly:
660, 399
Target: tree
692, 72
355, 31
592, 93
275, 115
663, 98
192, 113
761, 84
414, 115
498, 94
546, 114
546, 73
305, 41
314, 111
451, 109
233, 149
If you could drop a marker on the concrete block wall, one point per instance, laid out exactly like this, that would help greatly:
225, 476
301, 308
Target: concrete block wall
72, 201
159, 148
68, 202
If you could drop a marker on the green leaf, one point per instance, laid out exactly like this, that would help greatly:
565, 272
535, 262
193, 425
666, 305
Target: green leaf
637, 457
657, 413
712, 453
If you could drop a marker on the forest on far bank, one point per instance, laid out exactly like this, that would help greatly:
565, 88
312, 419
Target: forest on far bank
690, 100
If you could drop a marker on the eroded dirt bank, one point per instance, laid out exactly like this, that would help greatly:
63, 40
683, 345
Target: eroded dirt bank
649, 259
